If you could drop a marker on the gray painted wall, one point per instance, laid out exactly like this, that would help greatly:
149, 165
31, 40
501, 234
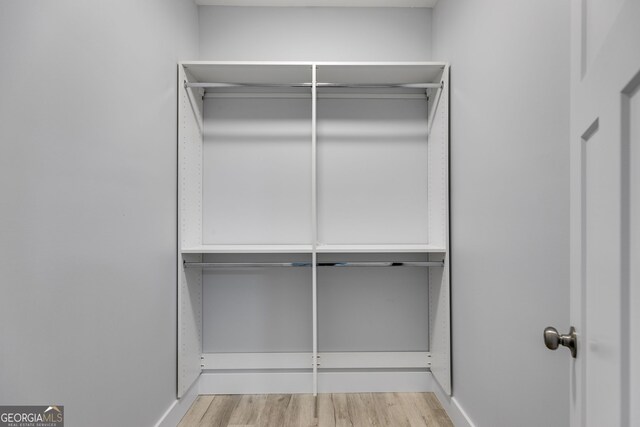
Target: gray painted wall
314, 34
88, 206
510, 211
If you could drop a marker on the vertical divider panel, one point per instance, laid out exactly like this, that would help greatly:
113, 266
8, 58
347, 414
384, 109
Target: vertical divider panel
314, 223
190, 133
439, 282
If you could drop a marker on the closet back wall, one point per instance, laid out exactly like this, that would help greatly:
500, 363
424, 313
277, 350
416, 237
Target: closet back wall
314, 34
318, 34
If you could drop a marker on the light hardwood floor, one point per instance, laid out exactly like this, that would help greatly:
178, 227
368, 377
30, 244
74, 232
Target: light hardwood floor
334, 410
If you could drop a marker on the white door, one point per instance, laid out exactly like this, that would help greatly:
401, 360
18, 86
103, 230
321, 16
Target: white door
605, 212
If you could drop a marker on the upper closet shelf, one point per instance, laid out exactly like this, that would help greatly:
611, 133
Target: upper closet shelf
248, 249
329, 74
379, 248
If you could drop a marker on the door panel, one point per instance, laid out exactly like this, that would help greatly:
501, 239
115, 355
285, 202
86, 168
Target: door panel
600, 299
605, 112
631, 246
599, 15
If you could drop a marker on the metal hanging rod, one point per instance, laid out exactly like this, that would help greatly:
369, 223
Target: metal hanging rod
309, 264
383, 85
320, 85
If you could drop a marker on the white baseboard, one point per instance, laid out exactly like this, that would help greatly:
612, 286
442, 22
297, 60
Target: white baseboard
179, 407
414, 360
458, 416
300, 382
374, 382
255, 383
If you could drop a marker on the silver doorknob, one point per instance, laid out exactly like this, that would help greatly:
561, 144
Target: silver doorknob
552, 339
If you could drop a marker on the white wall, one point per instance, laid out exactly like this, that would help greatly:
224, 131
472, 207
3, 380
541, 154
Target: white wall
88, 205
510, 212
314, 34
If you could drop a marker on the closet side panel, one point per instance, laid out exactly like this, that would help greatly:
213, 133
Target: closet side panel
189, 324
438, 165
439, 282
189, 233
439, 323
190, 134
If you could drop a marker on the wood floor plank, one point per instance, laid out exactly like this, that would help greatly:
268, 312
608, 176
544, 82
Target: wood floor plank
220, 410
412, 412
301, 411
274, 410
196, 411
380, 410
326, 412
361, 410
248, 410
394, 412
341, 410
426, 408
434, 407
334, 410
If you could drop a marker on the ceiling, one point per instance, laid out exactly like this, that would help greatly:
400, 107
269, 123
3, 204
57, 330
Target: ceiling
320, 3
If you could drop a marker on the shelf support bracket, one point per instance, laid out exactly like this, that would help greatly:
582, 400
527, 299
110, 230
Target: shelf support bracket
434, 107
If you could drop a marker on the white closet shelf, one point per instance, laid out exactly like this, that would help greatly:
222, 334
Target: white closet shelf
246, 249
288, 249
276, 72
379, 248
